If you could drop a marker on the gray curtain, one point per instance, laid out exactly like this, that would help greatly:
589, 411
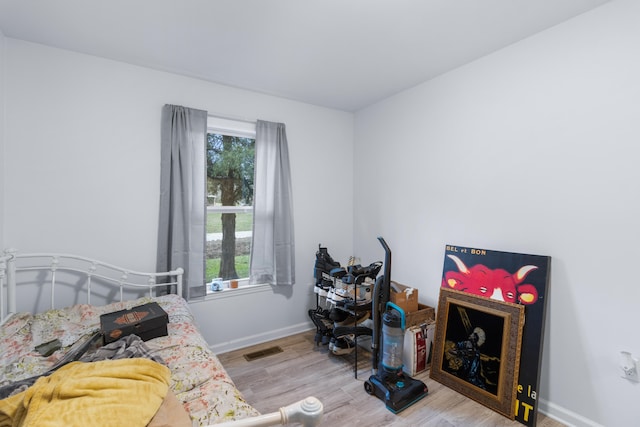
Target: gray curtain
273, 248
181, 232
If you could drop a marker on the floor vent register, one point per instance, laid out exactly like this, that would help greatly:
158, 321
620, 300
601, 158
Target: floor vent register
262, 353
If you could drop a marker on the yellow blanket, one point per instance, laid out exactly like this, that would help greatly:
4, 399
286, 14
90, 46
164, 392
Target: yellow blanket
124, 392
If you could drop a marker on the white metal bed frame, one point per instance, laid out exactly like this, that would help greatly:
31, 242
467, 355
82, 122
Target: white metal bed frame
91, 268
307, 412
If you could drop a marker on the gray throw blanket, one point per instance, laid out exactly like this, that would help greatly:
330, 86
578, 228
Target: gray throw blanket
125, 348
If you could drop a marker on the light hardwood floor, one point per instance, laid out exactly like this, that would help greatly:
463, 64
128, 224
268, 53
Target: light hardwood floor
304, 369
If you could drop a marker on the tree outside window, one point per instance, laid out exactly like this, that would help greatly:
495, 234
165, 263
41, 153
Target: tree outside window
230, 167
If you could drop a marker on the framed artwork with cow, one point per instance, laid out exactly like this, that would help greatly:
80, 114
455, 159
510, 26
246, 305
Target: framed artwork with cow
477, 348
514, 278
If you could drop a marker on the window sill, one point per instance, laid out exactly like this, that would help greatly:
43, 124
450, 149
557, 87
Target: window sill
242, 290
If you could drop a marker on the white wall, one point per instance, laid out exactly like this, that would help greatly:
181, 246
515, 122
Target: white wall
83, 171
533, 149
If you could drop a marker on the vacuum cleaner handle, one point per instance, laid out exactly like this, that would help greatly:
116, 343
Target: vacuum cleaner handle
384, 244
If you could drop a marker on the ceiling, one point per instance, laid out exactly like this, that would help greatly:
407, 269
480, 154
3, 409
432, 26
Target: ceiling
343, 54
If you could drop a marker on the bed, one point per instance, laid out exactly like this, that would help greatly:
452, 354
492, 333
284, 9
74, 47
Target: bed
185, 377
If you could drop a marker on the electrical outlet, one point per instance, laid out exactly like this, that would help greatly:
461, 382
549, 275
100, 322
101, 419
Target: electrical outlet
630, 374
630, 366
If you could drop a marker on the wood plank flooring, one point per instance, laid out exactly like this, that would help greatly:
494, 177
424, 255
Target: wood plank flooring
303, 369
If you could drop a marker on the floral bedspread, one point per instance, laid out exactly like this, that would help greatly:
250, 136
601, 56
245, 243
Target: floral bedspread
198, 378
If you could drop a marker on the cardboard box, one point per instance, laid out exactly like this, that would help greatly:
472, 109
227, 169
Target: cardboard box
424, 314
404, 297
146, 321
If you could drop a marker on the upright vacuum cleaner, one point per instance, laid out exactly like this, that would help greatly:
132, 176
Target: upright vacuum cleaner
388, 382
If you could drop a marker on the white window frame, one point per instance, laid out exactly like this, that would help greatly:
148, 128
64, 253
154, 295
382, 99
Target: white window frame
244, 129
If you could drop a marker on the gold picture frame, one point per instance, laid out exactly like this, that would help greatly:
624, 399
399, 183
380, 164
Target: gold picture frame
477, 348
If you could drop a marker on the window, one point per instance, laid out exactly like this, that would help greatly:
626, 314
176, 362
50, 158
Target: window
229, 204
182, 213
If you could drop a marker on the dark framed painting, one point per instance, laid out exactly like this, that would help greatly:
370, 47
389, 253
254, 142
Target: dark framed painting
512, 277
477, 348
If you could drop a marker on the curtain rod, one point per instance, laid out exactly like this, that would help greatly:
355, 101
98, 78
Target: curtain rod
237, 119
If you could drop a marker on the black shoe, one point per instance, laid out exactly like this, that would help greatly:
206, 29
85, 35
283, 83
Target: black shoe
350, 320
324, 326
353, 331
371, 270
342, 345
324, 264
338, 315
323, 255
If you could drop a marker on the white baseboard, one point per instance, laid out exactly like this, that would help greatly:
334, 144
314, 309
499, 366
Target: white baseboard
563, 415
260, 338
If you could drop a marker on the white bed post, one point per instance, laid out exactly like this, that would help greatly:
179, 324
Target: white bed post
123, 279
54, 268
90, 274
152, 283
307, 412
11, 281
179, 271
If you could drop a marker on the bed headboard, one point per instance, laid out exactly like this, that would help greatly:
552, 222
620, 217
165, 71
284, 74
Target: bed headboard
79, 276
